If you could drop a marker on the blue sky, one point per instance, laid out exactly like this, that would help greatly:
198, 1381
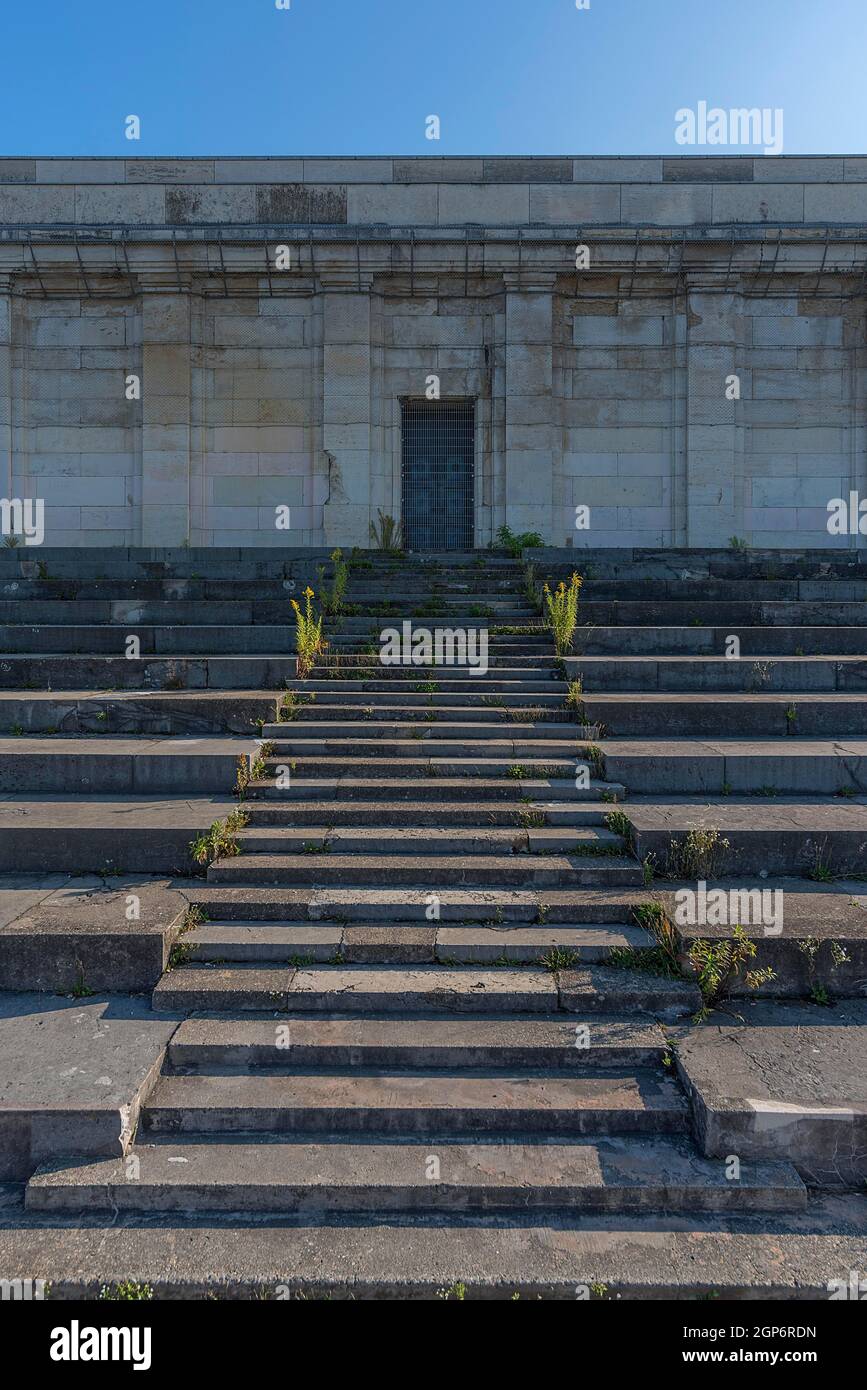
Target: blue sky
360, 76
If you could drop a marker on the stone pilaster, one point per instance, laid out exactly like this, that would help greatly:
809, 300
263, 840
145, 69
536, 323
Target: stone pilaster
166, 392
714, 438
529, 403
6, 385
347, 410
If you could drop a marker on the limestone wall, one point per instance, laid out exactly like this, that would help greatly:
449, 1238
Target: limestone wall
604, 388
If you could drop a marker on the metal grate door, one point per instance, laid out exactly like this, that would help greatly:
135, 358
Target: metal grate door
437, 471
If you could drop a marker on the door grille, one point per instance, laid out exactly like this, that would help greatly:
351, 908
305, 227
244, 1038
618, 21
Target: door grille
437, 471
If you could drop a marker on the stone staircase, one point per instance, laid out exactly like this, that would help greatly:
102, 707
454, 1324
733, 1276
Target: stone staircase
404, 1014
400, 981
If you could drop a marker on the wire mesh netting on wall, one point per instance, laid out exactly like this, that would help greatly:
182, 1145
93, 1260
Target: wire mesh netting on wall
437, 470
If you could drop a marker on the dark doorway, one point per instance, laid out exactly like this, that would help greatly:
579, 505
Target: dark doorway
437, 471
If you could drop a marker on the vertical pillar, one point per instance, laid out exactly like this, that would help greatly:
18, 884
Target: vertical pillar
346, 409
714, 447
166, 390
529, 401
6, 385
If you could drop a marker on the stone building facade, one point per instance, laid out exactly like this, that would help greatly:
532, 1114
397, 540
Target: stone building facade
271, 352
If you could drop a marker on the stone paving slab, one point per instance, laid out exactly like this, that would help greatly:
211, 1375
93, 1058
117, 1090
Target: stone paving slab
73, 1075
784, 1080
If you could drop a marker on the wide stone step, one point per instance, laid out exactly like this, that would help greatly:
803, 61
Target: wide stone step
433, 988
430, 840
184, 640
714, 1255
476, 870
767, 835
736, 714
410, 944
65, 671
657, 640
731, 614
208, 712
440, 787
261, 1173
122, 765
714, 673
811, 766
444, 1104
416, 1041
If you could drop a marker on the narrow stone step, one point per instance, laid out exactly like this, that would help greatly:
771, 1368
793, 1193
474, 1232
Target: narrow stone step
444, 1104
428, 840
303, 943
417, 1041
440, 814
267, 1174
531, 767
435, 788
497, 749
389, 989
307, 735
458, 906
478, 870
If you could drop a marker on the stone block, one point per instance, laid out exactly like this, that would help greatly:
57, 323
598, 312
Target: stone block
619, 170
580, 204
666, 205
499, 204
115, 202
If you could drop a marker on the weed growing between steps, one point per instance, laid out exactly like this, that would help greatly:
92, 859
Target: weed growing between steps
333, 598
810, 947
387, 534
289, 703
562, 612
309, 641
219, 842
516, 544
717, 964
247, 772
701, 854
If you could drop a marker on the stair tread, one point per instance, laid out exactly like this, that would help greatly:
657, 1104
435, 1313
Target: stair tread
652, 1165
